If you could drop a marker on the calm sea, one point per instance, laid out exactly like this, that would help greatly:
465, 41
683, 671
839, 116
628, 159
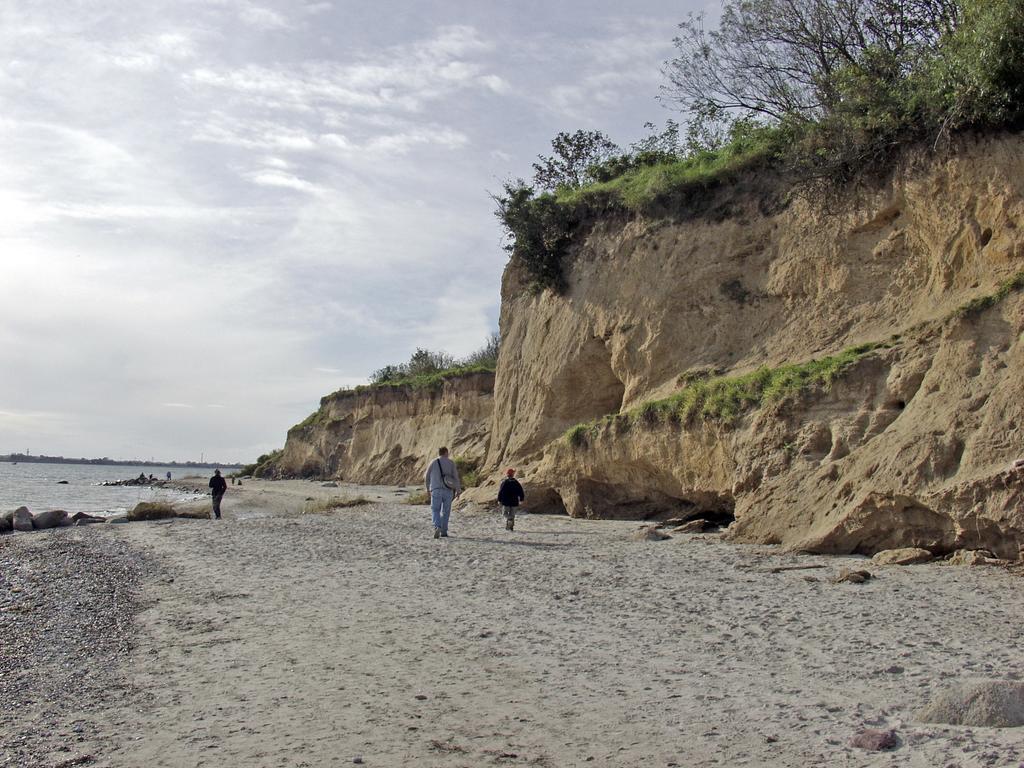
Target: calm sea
38, 487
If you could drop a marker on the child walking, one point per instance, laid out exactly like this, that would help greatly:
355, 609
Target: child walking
510, 494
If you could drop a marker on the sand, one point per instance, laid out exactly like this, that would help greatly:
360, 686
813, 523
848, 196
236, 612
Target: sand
281, 639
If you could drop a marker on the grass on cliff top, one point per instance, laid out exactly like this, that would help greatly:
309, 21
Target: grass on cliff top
428, 380
639, 188
424, 382
725, 399
976, 306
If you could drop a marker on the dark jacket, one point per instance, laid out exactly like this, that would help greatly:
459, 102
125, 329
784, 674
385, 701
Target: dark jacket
510, 493
218, 484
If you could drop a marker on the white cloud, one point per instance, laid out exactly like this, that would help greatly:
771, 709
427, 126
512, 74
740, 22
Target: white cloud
212, 212
264, 18
284, 180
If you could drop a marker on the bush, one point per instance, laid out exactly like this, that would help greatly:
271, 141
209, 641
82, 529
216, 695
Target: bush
469, 471
538, 232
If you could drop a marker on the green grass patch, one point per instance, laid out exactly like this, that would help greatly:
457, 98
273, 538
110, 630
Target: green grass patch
417, 498
725, 399
976, 306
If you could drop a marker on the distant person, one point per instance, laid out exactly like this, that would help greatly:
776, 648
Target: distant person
510, 494
142, 477
218, 487
168, 475
443, 485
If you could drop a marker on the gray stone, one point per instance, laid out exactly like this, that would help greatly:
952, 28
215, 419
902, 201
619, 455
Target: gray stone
21, 518
55, 518
979, 703
329, 485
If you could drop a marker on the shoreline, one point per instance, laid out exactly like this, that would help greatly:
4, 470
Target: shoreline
279, 638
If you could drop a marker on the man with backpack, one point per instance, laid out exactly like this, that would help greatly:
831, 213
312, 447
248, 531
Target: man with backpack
443, 485
510, 494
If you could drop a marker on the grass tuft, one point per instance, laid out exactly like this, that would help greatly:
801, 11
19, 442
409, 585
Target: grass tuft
726, 399
981, 303
320, 506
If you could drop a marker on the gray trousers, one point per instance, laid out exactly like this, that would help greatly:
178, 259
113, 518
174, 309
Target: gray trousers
216, 503
509, 513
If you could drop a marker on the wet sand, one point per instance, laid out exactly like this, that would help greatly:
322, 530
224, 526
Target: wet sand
273, 638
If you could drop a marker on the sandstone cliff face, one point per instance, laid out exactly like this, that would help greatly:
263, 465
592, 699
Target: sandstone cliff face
388, 435
907, 449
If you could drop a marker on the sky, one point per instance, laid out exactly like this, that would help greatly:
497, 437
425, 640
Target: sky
214, 212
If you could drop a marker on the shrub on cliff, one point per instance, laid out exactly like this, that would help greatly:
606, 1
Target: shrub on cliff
855, 79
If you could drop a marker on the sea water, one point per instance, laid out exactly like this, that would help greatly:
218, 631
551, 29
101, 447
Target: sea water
39, 486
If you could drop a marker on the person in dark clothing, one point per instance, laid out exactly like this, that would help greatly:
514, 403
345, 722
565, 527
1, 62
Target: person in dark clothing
510, 494
218, 486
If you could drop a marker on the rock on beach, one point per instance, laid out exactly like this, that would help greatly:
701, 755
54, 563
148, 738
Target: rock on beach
21, 519
55, 518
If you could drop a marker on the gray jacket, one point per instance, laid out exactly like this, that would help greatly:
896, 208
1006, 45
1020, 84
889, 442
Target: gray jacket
432, 478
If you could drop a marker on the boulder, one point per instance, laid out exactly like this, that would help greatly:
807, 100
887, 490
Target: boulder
978, 703
973, 557
21, 519
649, 533
905, 556
5, 525
329, 485
55, 518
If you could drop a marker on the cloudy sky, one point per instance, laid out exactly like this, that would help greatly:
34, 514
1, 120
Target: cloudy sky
212, 212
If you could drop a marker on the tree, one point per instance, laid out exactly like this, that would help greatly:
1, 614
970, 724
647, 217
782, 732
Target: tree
573, 157
787, 59
423, 361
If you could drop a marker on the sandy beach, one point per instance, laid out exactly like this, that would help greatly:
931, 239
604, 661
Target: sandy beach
275, 638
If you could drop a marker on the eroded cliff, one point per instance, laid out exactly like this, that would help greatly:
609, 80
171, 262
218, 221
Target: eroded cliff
386, 434
908, 444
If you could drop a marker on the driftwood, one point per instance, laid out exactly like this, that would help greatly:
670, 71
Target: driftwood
781, 568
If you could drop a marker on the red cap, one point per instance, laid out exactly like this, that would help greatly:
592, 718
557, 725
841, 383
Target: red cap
510, 471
